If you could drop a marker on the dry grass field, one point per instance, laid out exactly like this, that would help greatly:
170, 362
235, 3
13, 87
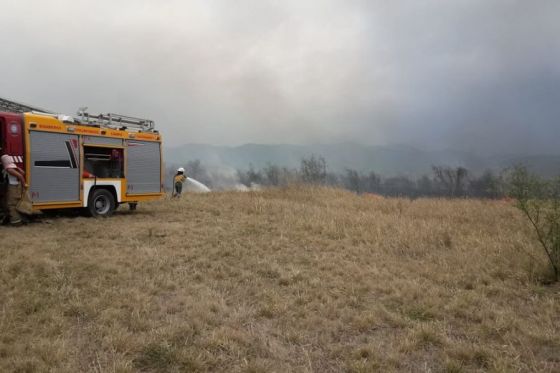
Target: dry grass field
297, 279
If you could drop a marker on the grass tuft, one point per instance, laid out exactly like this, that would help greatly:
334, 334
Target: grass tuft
158, 357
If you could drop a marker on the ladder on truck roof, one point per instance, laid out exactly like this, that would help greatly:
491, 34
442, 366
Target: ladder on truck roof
116, 121
18, 107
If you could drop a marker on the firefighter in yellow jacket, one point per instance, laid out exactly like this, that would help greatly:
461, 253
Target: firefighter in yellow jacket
178, 181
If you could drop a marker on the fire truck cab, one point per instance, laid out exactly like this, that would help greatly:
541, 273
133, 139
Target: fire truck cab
96, 162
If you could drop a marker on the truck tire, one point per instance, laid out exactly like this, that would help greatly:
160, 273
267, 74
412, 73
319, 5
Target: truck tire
101, 203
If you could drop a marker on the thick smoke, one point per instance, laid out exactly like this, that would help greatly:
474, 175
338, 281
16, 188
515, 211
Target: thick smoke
472, 75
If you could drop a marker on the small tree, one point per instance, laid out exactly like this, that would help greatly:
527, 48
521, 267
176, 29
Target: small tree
452, 180
271, 175
249, 177
485, 186
539, 200
314, 170
373, 183
353, 180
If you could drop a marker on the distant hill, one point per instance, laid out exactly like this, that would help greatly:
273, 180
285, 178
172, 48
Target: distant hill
385, 160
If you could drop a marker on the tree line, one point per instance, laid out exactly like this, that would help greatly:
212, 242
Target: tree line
443, 181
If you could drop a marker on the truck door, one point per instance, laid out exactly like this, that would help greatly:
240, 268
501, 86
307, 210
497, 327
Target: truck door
55, 167
143, 170
11, 136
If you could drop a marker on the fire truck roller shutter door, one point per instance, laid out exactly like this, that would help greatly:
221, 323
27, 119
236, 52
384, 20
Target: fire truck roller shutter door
143, 167
55, 169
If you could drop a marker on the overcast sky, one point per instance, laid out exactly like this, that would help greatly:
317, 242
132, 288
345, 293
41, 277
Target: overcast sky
479, 75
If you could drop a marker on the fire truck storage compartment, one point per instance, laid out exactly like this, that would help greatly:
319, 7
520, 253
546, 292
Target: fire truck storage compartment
103, 162
55, 169
143, 167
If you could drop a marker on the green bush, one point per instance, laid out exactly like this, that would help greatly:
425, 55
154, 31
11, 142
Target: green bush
539, 200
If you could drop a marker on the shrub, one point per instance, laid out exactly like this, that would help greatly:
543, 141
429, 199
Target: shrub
313, 170
539, 200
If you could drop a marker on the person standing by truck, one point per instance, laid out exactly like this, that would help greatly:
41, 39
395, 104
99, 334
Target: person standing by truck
178, 181
16, 180
4, 216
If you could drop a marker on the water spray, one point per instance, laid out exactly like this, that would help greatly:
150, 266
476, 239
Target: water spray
199, 187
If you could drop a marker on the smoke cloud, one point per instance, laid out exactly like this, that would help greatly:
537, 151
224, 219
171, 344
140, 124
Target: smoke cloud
467, 74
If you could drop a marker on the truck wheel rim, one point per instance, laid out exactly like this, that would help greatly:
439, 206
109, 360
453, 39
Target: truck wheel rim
101, 205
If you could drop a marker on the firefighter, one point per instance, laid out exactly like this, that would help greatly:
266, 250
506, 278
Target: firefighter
178, 181
13, 191
3, 190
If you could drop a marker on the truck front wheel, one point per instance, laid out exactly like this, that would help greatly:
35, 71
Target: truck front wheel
101, 203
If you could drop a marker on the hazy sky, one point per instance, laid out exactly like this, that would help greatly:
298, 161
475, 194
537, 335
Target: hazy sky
481, 75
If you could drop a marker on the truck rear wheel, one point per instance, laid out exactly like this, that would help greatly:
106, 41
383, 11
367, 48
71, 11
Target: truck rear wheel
101, 203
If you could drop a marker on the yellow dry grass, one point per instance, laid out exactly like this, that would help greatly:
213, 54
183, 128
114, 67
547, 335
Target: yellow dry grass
298, 279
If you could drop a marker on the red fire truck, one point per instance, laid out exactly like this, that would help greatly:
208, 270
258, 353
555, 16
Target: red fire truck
94, 162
